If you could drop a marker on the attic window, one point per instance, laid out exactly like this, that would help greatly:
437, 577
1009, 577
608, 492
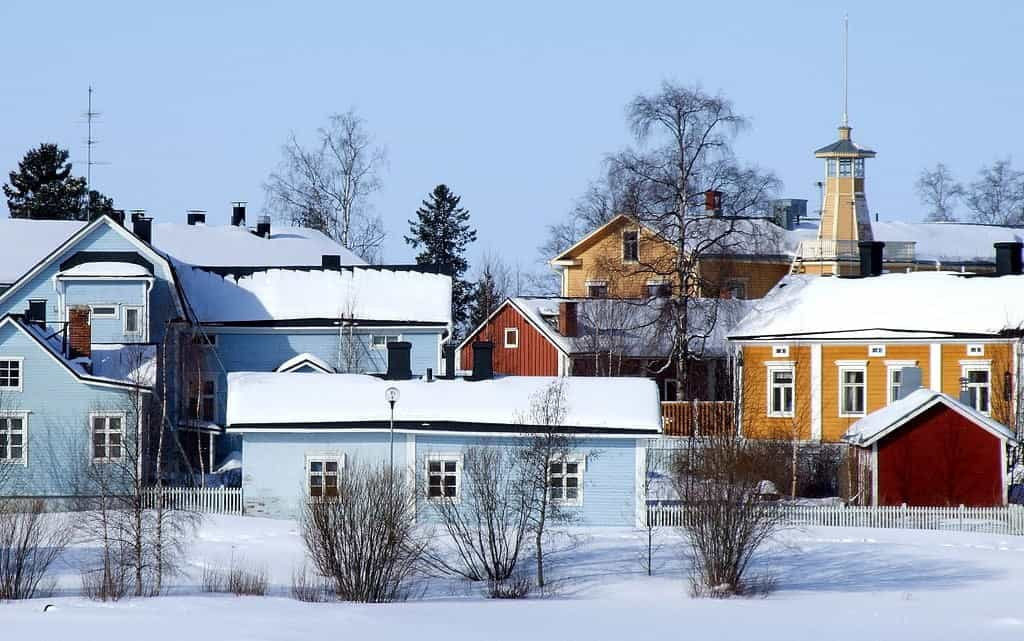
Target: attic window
876, 350
630, 246
780, 350
512, 337
976, 350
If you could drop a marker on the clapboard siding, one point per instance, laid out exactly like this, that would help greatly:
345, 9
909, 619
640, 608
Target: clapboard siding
106, 292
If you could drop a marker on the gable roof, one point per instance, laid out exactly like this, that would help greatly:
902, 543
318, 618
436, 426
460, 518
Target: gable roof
600, 231
125, 366
28, 242
931, 304
881, 423
305, 360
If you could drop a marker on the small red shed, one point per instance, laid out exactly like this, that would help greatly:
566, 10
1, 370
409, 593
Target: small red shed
930, 449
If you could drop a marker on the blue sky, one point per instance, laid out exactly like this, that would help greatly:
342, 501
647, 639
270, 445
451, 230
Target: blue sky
513, 106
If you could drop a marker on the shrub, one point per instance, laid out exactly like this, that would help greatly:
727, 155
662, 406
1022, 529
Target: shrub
30, 541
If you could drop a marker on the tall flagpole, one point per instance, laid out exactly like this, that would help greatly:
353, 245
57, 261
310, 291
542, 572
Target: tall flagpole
846, 64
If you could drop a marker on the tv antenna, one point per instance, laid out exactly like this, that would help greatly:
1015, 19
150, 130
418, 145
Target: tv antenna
90, 116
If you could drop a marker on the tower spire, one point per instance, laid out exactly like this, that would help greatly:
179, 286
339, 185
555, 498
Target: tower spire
846, 64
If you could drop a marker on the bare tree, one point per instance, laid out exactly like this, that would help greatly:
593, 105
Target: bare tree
328, 186
939, 191
725, 519
365, 539
30, 541
997, 196
684, 149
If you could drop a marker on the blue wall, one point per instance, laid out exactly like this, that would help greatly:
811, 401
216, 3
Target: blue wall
106, 292
274, 468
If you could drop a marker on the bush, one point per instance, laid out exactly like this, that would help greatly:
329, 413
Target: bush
307, 587
236, 579
514, 587
30, 541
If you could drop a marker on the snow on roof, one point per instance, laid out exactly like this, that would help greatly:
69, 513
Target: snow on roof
23, 243
106, 270
924, 302
948, 242
230, 246
360, 293
260, 398
634, 327
744, 237
882, 422
131, 363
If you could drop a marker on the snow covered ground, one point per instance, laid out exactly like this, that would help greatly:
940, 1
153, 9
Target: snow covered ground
832, 583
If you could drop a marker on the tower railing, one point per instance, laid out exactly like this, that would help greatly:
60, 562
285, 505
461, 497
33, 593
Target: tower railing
825, 249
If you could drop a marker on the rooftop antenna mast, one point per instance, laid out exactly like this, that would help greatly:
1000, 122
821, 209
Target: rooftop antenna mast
846, 64
90, 115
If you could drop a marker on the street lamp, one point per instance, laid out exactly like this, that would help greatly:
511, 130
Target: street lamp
391, 395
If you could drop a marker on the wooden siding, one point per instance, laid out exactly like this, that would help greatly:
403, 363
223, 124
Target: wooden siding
601, 259
1000, 357
535, 356
710, 417
758, 276
756, 422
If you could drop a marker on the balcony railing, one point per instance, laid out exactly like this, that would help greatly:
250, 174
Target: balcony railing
893, 252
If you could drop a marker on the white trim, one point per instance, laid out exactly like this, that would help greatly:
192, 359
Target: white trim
851, 363
443, 457
779, 363
20, 360
324, 456
124, 433
853, 366
640, 481
581, 468
305, 360
780, 351
23, 415
935, 367
513, 331
876, 350
772, 369
979, 366
384, 346
141, 309
113, 316
595, 283
816, 392
894, 366
975, 349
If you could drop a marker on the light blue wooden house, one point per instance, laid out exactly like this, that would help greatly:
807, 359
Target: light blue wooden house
300, 431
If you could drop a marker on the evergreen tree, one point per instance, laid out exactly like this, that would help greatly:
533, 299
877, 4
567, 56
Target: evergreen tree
44, 188
442, 233
486, 297
99, 205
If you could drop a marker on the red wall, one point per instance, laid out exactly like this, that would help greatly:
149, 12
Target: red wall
940, 458
535, 356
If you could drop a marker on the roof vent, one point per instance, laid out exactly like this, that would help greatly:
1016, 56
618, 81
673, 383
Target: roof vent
399, 361
330, 261
196, 216
238, 214
1008, 259
137, 214
448, 352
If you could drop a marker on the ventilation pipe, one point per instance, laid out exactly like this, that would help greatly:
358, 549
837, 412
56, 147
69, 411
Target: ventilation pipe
1008, 259
483, 360
238, 214
196, 217
399, 361
871, 257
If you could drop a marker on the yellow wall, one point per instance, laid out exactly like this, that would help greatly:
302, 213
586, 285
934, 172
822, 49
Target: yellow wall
756, 422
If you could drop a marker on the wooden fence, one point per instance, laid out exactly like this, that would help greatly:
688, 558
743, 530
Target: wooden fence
211, 500
996, 520
709, 417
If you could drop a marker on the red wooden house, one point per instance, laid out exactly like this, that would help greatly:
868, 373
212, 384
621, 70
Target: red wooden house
930, 449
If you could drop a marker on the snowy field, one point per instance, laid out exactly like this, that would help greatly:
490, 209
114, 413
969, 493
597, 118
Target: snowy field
832, 583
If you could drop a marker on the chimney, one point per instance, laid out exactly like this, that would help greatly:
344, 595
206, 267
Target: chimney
1008, 261
567, 319
117, 216
430, 375
137, 214
79, 332
196, 217
449, 361
870, 257
910, 381
330, 261
238, 214
399, 363
263, 226
713, 201
143, 228
483, 360
36, 312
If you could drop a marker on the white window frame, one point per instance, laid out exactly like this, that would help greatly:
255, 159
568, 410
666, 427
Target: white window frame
780, 351
875, 351
630, 260
852, 366
892, 367
324, 458
107, 431
93, 314
443, 458
581, 467
771, 369
141, 331
21, 374
741, 284
596, 283
5, 428
514, 333
384, 345
976, 349
979, 366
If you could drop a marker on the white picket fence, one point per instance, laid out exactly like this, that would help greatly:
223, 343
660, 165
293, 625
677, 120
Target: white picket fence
996, 520
211, 500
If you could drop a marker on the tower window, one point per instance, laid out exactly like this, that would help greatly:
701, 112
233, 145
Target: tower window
830, 166
858, 168
845, 167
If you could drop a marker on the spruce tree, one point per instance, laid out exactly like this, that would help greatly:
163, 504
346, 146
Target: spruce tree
442, 233
44, 188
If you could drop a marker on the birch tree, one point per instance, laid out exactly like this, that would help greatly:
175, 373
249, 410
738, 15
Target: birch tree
939, 191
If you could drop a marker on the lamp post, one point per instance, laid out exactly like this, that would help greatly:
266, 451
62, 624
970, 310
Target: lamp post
391, 396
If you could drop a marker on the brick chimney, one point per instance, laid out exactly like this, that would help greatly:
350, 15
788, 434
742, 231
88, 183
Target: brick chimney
713, 201
79, 332
568, 324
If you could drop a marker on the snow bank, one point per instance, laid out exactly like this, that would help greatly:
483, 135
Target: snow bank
259, 398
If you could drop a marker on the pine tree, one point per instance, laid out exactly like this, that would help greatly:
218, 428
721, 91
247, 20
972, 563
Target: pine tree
486, 298
44, 188
442, 233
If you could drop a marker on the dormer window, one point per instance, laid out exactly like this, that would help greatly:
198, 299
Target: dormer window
630, 246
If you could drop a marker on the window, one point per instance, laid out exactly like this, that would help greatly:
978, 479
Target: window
876, 350
322, 475
565, 482
630, 246
103, 311
976, 350
11, 374
202, 402
380, 341
443, 478
979, 388
852, 390
736, 289
511, 337
780, 350
597, 289
780, 390
895, 379
845, 167
830, 167
659, 289
107, 436
133, 320
858, 168
12, 438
